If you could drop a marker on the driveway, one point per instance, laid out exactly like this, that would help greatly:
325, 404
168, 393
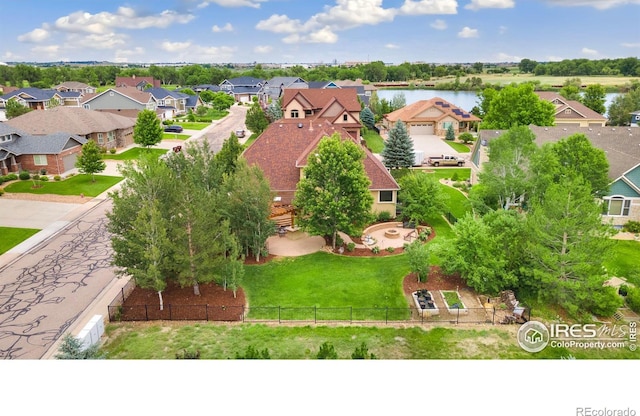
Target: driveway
433, 146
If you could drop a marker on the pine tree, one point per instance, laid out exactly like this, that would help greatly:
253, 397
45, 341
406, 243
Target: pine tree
451, 135
367, 118
398, 148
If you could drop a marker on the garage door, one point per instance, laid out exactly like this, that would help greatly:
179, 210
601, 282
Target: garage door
418, 129
69, 161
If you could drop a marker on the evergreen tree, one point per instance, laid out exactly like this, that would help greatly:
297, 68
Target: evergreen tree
327, 352
398, 148
451, 135
367, 118
147, 131
71, 349
90, 160
274, 111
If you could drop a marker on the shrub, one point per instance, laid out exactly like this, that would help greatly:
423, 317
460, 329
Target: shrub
339, 240
103, 149
384, 216
623, 290
327, 352
391, 249
44, 178
455, 177
632, 227
362, 352
188, 355
112, 150
57, 178
36, 177
1, 191
24, 175
43, 171
251, 353
375, 250
351, 246
11, 177
466, 137
633, 299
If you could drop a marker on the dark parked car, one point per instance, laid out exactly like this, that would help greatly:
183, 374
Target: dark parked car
174, 128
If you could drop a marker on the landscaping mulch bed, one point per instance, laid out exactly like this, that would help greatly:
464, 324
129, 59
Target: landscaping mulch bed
437, 280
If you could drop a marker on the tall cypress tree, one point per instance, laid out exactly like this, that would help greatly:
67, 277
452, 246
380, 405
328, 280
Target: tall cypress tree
398, 148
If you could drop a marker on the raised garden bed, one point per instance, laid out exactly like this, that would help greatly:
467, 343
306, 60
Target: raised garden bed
453, 302
425, 303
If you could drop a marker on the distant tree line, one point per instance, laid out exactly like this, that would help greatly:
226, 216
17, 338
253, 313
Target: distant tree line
375, 71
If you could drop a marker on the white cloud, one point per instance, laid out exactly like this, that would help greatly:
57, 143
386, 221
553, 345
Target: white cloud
467, 32
597, 4
631, 45
490, 4
502, 30
591, 52
412, 7
174, 46
347, 14
123, 55
280, 23
324, 35
233, 3
392, 46
95, 40
50, 51
35, 36
226, 28
505, 57
439, 24
263, 49
124, 18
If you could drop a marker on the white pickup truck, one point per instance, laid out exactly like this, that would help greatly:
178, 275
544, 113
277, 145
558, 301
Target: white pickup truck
446, 160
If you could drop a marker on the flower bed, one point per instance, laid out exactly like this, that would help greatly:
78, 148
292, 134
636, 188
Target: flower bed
453, 302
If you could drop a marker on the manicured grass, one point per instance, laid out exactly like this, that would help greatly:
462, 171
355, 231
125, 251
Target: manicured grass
458, 204
458, 147
623, 262
128, 341
326, 281
374, 141
134, 153
250, 140
174, 136
447, 173
75, 185
193, 125
11, 237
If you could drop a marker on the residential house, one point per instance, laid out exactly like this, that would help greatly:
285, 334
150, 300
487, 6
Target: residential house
54, 153
243, 88
39, 99
431, 117
635, 119
120, 98
75, 86
572, 113
139, 83
336, 105
620, 144
205, 87
106, 129
273, 88
193, 102
281, 151
170, 103
364, 90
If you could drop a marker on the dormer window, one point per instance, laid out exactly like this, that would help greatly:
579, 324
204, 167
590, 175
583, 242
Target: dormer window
294, 114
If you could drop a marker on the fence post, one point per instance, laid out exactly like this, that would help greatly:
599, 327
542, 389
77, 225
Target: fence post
315, 314
350, 314
206, 312
122, 291
279, 314
242, 313
458, 316
493, 319
386, 316
146, 312
170, 312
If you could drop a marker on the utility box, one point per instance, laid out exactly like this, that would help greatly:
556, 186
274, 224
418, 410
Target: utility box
92, 332
418, 157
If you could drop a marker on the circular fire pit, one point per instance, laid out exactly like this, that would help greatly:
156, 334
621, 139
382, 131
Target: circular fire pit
392, 233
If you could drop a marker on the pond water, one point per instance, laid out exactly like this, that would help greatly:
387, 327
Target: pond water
465, 100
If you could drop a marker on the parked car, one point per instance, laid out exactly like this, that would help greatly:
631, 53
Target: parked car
446, 160
174, 128
240, 133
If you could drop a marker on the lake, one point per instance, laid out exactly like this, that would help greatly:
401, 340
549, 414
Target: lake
465, 100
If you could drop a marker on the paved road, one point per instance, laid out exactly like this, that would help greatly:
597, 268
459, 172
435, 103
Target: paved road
59, 282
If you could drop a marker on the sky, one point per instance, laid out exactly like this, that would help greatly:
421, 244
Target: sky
318, 31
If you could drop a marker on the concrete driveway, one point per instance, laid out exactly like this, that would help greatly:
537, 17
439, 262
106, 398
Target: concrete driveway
433, 146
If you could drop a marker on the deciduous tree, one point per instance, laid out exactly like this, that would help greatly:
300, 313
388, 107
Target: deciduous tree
15, 109
594, 98
517, 105
147, 131
256, 119
334, 193
421, 196
90, 161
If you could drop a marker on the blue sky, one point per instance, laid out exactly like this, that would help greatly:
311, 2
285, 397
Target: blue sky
314, 31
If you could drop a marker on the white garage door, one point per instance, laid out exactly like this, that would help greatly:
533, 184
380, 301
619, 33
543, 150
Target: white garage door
69, 161
418, 129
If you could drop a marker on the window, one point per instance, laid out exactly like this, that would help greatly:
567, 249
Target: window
86, 106
40, 160
446, 124
617, 205
567, 111
111, 136
100, 138
345, 117
294, 114
386, 196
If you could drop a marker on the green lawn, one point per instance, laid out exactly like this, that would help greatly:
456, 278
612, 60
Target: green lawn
326, 281
75, 185
458, 147
174, 136
11, 237
447, 173
374, 141
458, 204
624, 260
134, 153
193, 125
250, 140
128, 341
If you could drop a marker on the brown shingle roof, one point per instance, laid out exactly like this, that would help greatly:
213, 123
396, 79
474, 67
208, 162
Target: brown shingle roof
317, 98
73, 120
411, 112
135, 81
282, 149
577, 106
